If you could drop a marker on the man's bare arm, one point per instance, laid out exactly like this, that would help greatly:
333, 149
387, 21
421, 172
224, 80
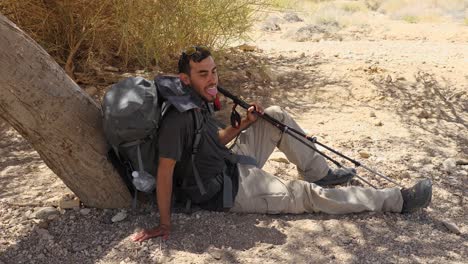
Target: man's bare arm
164, 197
229, 133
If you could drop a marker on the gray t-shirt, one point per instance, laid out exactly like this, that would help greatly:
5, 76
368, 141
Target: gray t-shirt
176, 135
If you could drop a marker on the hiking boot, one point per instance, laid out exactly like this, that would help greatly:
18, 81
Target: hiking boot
416, 197
337, 176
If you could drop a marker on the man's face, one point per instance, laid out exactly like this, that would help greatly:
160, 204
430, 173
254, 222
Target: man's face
203, 78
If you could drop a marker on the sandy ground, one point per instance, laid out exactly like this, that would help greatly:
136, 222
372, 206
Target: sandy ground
392, 95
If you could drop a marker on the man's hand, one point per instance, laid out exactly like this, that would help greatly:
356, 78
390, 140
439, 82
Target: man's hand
251, 116
229, 133
158, 231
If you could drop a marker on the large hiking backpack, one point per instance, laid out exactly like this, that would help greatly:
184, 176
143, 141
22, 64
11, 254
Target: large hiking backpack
132, 110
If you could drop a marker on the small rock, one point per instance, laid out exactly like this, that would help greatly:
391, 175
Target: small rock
424, 114
452, 227
43, 224
364, 154
379, 123
28, 214
111, 69
270, 26
372, 114
216, 254
119, 217
52, 217
85, 211
44, 234
388, 79
292, 17
449, 165
69, 204
77, 247
461, 162
45, 212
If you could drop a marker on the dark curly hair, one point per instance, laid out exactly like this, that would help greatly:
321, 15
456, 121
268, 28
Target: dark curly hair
195, 54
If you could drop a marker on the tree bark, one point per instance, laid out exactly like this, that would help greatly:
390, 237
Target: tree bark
62, 123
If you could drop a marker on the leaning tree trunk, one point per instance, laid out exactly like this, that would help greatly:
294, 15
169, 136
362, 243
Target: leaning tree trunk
61, 122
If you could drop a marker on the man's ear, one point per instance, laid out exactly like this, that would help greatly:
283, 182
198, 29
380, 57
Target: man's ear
184, 78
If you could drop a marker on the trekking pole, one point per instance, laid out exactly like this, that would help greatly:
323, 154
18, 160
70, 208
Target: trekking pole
301, 136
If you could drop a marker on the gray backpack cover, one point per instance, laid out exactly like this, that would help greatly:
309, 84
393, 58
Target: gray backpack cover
131, 113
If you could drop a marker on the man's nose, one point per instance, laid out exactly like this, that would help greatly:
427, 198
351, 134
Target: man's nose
212, 78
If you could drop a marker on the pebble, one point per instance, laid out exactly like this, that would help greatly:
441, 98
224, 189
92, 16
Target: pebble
449, 165
372, 114
77, 247
379, 123
364, 154
43, 224
69, 204
452, 227
120, 216
216, 254
85, 211
44, 213
44, 234
388, 79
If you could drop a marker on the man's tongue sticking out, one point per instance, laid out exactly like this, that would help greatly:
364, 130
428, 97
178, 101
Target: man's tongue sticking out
213, 91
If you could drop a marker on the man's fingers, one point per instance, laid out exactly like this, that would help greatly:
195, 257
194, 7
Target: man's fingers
255, 107
146, 234
138, 236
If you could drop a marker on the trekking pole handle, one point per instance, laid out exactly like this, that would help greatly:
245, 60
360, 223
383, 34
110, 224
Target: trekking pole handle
234, 98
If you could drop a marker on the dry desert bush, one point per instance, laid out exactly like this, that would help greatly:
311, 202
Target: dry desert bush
128, 33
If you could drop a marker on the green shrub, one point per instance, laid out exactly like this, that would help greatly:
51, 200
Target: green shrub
353, 7
410, 19
129, 33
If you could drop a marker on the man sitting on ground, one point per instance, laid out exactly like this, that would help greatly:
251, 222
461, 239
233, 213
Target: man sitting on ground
243, 186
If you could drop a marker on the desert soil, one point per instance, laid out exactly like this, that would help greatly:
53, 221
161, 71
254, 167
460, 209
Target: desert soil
391, 94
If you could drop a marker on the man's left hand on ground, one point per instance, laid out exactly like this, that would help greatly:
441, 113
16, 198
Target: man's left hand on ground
150, 233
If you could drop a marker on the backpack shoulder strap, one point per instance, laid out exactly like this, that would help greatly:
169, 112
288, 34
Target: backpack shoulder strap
199, 126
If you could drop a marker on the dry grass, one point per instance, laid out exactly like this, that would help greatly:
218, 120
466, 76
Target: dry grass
414, 11
345, 12
81, 34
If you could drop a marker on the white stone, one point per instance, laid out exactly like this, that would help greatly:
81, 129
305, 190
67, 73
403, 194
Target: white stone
85, 211
120, 216
449, 165
452, 227
45, 212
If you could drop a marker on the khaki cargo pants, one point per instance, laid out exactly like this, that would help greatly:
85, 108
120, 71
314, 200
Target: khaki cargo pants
261, 192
